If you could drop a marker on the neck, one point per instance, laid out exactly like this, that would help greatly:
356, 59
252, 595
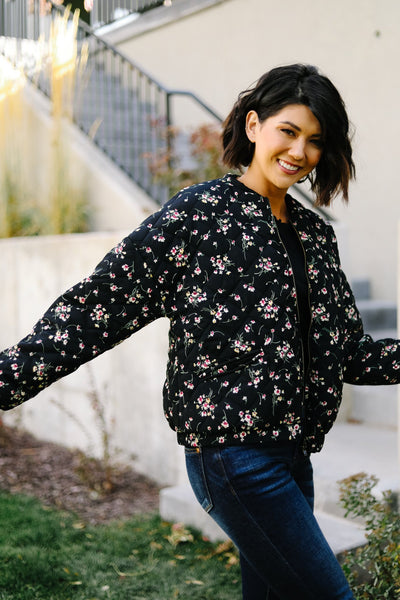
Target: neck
275, 197
279, 210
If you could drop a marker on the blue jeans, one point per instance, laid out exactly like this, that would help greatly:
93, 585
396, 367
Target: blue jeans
262, 497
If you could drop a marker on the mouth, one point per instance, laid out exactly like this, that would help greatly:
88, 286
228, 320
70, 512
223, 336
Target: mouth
288, 167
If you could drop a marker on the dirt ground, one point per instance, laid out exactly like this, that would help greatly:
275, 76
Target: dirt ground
70, 481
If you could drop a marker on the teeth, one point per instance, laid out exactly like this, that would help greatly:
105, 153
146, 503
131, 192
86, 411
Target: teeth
288, 166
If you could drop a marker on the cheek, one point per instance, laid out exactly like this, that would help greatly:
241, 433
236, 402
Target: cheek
315, 157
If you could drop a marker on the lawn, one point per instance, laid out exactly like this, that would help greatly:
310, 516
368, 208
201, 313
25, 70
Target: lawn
46, 554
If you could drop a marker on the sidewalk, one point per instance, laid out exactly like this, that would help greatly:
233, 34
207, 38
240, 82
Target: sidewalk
350, 449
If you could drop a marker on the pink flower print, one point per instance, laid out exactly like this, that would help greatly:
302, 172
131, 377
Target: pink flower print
119, 249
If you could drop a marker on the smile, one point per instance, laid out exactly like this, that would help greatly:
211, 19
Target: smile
288, 166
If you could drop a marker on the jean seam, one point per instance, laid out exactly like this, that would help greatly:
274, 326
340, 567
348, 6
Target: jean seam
208, 504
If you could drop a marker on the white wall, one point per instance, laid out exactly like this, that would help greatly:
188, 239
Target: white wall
221, 50
127, 380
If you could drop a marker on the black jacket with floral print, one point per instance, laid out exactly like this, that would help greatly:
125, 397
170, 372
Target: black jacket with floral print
212, 261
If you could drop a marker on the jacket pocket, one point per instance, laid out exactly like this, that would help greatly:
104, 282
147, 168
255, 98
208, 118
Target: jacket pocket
234, 365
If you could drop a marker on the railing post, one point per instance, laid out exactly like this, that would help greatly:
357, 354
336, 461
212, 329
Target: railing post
168, 117
168, 121
3, 16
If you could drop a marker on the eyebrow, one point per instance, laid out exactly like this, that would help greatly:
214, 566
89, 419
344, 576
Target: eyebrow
318, 135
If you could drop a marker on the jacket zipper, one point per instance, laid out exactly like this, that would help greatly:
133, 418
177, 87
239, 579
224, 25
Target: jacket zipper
303, 415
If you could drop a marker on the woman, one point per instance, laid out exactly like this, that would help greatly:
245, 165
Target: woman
263, 329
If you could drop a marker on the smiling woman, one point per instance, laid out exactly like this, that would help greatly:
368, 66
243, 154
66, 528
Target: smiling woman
296, 86
287, 147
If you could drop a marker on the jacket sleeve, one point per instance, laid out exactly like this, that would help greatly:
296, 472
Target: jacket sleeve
366, 361
96, 314
126, 291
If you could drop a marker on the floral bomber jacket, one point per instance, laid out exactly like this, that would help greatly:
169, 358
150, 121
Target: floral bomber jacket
212, 261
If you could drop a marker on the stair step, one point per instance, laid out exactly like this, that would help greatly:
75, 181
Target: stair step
352, 448
378, 314
361, 288
179, 505
341, 534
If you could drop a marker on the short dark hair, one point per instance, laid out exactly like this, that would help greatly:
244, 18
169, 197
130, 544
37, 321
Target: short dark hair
296, 84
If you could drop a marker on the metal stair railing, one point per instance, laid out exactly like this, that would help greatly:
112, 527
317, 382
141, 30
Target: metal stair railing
125, 111
105, 12
129, 110
13, 14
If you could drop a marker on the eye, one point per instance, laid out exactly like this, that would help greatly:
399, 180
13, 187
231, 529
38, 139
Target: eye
289, 132
318, 143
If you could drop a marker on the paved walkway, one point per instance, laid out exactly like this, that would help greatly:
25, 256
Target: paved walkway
354, 448
350, 449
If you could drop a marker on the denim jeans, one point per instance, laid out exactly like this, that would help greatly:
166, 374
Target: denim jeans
262, 497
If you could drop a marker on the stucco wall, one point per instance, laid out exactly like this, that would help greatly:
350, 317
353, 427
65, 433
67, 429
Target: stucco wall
127, 380
219, 51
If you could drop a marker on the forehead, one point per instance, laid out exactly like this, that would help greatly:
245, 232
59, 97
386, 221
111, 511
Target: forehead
299, 115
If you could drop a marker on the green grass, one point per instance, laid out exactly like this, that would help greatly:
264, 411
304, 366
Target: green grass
49, 555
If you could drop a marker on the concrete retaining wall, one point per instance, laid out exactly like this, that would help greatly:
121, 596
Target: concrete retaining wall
127, 380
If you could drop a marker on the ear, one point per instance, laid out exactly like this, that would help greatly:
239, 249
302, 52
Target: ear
251, 124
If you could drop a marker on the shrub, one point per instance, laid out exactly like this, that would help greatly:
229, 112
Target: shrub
188, 158
373, 570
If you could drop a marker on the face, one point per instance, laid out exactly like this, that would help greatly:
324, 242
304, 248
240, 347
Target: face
288, 146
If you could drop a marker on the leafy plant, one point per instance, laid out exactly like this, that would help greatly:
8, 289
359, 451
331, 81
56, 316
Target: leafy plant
170, 166
373, 570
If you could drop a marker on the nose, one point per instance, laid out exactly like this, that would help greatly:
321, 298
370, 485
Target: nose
297, 149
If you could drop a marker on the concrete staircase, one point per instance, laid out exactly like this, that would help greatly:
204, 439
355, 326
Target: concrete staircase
363, 440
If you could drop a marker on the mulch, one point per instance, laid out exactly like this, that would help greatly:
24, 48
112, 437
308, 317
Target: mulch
69, 480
